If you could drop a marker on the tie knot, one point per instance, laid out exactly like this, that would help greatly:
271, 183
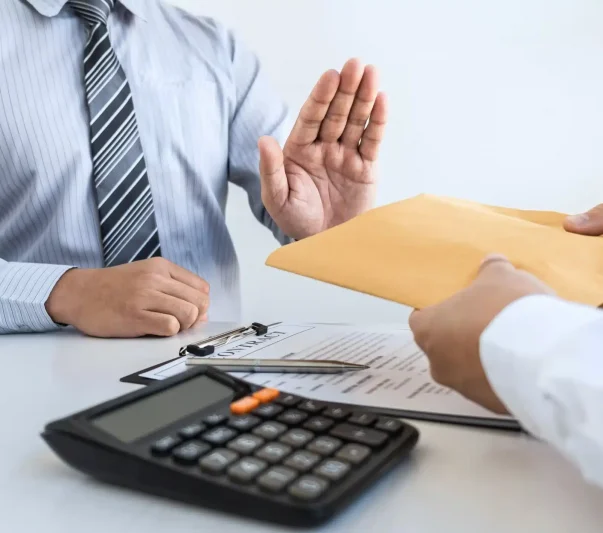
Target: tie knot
92, 11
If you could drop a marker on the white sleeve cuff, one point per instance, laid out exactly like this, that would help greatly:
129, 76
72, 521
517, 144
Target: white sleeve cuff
515, 344
24, 289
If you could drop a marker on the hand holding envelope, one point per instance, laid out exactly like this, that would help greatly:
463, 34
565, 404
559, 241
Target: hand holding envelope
421, 251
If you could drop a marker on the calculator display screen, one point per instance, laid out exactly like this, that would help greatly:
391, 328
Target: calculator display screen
149, 414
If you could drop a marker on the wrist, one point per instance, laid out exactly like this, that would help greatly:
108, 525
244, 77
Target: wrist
64, 300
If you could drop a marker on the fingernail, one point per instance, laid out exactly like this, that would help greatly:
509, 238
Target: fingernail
493, 257
579, 220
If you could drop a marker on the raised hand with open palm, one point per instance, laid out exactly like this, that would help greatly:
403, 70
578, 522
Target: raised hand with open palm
325, 174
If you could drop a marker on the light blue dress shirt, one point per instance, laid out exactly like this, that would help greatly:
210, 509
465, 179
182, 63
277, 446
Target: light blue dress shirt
201, 101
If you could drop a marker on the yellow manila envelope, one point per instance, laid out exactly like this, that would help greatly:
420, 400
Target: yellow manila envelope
420, 251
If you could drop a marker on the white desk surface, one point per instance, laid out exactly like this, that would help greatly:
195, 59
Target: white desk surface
458, 480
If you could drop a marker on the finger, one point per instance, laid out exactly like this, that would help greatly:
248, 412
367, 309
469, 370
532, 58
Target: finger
185, 292
185, 276
361, 108
200, 320
275, 187
589, 223
418, 322
339, 111
414, 320
185, 312
159, 324
375, 130
306, 127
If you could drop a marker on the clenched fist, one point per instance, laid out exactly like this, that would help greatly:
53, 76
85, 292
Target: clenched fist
151, 297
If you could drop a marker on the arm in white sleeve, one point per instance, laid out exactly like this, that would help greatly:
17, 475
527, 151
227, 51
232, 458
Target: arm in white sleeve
544, 359
24, 289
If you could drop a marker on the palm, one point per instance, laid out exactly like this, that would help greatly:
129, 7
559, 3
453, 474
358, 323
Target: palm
328, 184
325, 174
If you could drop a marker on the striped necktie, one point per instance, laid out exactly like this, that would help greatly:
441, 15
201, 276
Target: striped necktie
127, 221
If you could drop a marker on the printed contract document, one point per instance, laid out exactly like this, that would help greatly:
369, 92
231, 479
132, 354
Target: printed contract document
398, 381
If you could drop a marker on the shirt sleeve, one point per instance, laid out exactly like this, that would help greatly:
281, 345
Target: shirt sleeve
24, 289
259, 111
544, 358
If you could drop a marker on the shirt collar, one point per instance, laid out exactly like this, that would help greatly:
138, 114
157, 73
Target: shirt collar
50, 8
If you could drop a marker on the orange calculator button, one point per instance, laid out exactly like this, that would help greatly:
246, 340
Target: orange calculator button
266, 395
244, 405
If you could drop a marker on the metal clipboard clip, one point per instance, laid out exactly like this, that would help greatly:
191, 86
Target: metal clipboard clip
207, 346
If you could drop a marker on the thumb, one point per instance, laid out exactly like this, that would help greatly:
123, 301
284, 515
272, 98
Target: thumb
589, 223
275, 188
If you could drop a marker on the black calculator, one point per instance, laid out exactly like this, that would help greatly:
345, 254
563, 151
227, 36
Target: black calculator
207, 438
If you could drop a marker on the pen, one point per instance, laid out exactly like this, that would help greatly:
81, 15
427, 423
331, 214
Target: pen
278, 365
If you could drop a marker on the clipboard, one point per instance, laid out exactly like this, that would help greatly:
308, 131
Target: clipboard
471, 421
255, 328
195, 349
136, 377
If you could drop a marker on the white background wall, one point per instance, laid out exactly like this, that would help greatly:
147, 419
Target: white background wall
498, 101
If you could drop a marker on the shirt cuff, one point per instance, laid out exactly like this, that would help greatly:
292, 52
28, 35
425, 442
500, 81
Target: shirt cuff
513, 348
24, 289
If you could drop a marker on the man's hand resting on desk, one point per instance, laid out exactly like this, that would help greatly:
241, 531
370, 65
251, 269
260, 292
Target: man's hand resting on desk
325, 174
151, 297
449, 333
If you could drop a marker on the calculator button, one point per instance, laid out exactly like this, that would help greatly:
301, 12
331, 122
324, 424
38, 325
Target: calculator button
245, 444
288, 400
332, 469
219, 435
311, 406
246, 469
268, 410
337, 413
273, 452
244, 422
190, 432
277, 478
302, 460
214, 419
318, 424
308, 488
164, 446
360, 435
297, 437
266, 395
353, 453
293, 417
244, 405
216, 461
362, 419
391, 425
189, 453
270, 430
324, 445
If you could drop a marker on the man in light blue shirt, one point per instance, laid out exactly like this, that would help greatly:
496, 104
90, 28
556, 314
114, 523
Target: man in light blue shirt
121, 124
